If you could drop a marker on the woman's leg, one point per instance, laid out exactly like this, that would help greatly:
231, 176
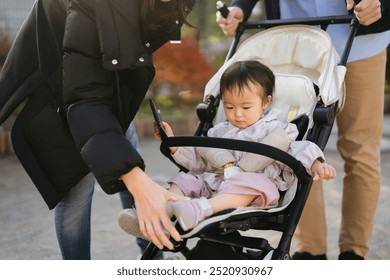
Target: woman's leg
127, 199
73, 220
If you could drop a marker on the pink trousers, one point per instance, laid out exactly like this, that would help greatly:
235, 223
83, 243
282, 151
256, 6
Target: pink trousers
243, 183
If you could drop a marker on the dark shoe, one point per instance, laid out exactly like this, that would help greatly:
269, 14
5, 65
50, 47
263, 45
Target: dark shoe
308, 256
350, 255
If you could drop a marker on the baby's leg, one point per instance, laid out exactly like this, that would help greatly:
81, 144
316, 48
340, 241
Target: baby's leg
175, 189
226, 201
191, 212
240, 190
190, 185
261, 190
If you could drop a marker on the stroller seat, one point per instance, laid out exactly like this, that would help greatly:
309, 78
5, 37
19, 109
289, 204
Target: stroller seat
297, 107
302, 58
309, 91
299, 51
241, 213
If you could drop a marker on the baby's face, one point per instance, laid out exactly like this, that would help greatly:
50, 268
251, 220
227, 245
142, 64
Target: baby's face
244, 108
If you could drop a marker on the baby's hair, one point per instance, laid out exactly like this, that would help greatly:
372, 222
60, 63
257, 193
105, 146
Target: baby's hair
239, 74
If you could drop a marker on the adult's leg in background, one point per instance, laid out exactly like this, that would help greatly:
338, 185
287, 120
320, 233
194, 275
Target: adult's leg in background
360, 132
311, 234
73, 220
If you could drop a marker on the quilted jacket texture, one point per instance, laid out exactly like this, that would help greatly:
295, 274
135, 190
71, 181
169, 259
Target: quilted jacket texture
81, 68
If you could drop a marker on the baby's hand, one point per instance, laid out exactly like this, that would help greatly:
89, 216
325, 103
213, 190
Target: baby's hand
168, 130
166, 127
322, 170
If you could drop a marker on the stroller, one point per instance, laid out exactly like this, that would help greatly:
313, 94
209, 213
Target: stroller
309, 90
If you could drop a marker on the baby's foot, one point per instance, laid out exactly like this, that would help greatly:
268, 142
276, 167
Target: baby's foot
128, 220
189, 213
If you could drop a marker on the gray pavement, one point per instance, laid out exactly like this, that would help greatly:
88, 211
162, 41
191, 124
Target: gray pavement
27, 225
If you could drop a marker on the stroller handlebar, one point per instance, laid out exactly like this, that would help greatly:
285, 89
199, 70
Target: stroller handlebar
323, 21
240, 145
223, 9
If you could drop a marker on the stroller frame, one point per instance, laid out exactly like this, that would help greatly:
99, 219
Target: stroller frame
286, 220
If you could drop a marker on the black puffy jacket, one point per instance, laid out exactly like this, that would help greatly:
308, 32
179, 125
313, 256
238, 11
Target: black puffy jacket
83, 67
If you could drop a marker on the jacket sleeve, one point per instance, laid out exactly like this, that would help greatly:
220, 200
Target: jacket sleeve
381, 25
107, 70
282, 175
214, 156
33, 58
306, 152
277, 138
189, 158
95, 128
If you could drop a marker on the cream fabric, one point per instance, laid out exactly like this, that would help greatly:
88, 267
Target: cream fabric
295, 53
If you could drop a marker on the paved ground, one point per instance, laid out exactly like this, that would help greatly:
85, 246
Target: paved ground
27, 227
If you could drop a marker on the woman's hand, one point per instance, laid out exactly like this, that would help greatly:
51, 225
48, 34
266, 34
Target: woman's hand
229, 25
322, 170
367, 11
151, 204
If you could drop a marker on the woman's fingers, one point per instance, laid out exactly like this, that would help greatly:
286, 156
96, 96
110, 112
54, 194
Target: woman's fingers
155, 224
154, 232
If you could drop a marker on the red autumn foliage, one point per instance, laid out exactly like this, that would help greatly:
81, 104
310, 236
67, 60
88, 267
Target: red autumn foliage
5, 44
183, 65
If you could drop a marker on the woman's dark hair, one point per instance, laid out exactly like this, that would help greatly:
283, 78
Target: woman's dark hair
241, 73
178, 10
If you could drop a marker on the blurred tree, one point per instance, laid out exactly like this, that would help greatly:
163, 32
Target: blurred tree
5, 44
183, 66
212, 41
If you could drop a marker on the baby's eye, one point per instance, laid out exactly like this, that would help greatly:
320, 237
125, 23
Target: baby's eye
246, 108
229, 108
